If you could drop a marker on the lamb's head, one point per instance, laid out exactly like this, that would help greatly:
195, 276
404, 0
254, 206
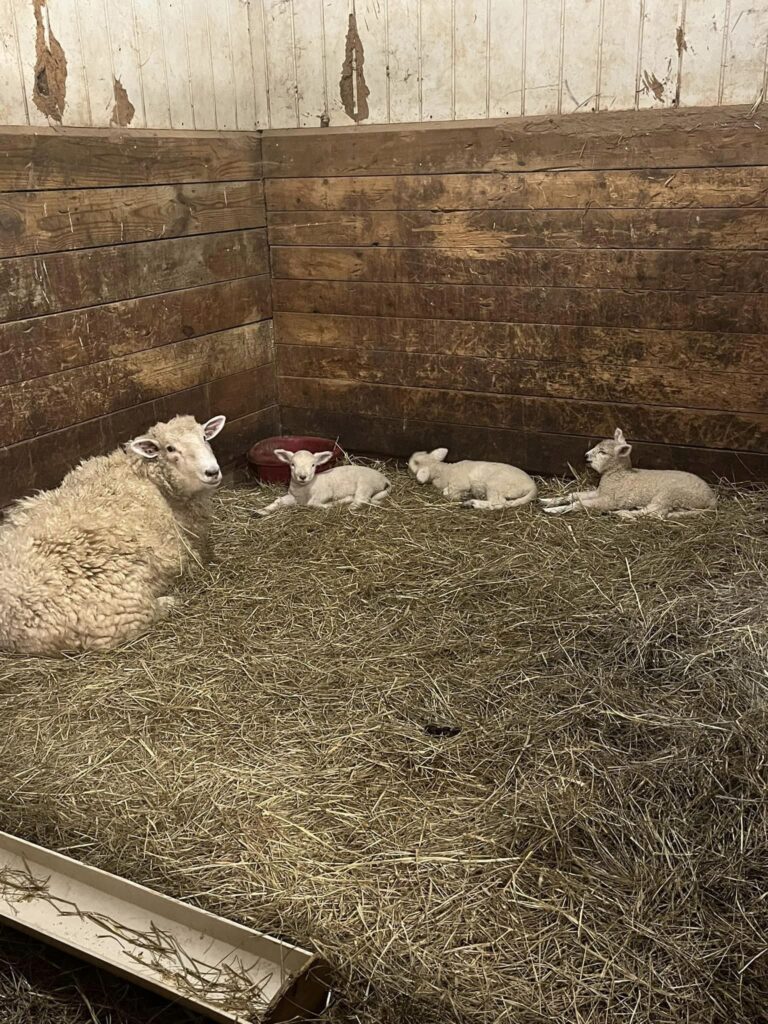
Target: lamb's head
303, 464
612, 453
179, 455
424, 464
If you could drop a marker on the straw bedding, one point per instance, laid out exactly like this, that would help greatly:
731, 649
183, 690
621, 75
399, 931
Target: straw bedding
495, 767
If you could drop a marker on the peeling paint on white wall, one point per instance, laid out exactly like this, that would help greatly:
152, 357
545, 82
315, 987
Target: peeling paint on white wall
245, 64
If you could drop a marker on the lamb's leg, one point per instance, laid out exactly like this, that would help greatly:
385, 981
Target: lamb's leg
492, 500
319, 503
683, 513
285, 501
165, 605
654, 508
379, 496
587, 501
567, 499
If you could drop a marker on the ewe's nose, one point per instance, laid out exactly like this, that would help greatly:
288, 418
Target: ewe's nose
214, 473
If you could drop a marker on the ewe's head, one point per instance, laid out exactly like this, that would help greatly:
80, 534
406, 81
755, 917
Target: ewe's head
179, 453
612, 452
303, 464
424, 464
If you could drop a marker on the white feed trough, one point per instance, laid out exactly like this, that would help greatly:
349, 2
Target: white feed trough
224, 970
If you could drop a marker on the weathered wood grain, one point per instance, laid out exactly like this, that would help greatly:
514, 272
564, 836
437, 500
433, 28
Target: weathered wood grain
704, 137
57, 400
241, 434
691, 351
240, 394
38, 285
652, 424
537, 453
577, 306
45, 158
55, 220
55, 343
598, 380
668, 270
537, 229
546, 190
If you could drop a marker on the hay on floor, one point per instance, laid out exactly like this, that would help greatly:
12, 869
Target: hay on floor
495, 767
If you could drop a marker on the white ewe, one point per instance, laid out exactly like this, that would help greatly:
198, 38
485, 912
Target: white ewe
478, 484
666, 493
343, 485
89, 564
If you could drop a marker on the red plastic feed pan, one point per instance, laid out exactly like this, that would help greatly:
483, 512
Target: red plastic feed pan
270, 470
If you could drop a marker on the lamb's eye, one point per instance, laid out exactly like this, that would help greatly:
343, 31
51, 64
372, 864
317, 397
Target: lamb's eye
170, 448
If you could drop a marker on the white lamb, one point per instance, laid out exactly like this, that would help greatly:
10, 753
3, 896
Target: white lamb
343, 485
628, 492
89, 564
478, 484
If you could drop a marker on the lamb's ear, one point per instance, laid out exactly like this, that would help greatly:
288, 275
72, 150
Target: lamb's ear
284, 455
145, 447
624, 449
422, 475
439, 454
322, 457
618, 435
214, 426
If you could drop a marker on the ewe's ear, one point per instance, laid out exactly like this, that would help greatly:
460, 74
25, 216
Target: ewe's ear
439, 454
624, 449
214, 426
145, 447
322, 457
422, 475
618, 435
284, 456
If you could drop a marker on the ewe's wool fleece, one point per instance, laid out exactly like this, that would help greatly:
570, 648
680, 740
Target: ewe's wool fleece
84, 567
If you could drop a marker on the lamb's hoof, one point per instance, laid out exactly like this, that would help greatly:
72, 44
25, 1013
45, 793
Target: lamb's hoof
469, 503
547, 502
166, 605
625, 514
261, 512
556, 510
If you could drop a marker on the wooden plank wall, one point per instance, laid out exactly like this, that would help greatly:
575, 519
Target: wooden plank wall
134, 284
516, 289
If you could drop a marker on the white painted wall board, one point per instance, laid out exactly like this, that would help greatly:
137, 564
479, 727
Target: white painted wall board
403, 59
581, 44
659, 56
310, 70
543, 37
471, 49
125, 56
745, 51
176, 59
152, 68
12, 102
222, 64
619, 54
372, 29
507, 39
437, 83
702, 53
281, 63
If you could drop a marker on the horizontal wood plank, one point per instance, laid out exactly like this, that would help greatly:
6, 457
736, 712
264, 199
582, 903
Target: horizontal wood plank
243, 393
745, 431
536, 229
694, 137
648, 188
693, 352
577, 306
537, 453
51, 344
601, 380
241, 434
52, 221
39, 158
38, 285
666, 270
57, 400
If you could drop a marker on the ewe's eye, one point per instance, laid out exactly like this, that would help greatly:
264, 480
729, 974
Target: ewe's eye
170, 448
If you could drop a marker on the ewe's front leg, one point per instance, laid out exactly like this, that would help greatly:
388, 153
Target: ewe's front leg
588, 500
286, 501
